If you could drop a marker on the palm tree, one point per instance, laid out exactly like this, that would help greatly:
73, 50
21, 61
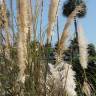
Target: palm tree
69, 6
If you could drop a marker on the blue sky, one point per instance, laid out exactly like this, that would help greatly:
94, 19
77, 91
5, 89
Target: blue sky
88, 22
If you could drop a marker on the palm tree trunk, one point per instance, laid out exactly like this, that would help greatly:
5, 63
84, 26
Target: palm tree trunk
75, 24
76, 36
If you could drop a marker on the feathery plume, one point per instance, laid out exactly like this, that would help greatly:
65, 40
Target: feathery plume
82, 48
63, 77
23, 36
21, 58
86, 89
54, 83
52, 17
67, 25
53, 71
69, 80
6, 28
58, 57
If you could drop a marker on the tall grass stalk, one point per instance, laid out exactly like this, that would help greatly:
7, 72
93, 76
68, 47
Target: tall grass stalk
6, 29
23, 36
83, 48
66, 27
52, 18
61, 77
12, 20
87, 89
41, 27
35, 20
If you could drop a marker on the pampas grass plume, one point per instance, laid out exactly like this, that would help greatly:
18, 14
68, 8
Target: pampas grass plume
82, 48
87, 89
52, 17
67, 25
64, 77
23, 35
69, 83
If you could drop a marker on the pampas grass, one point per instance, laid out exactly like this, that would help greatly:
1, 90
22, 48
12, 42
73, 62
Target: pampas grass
87, 89
53, 81
6, 29
39, 70
64, 35
69, 80
82, 48
52, 18
5, 24
21, 58
23, 35
62, 71
62, 76
41, 19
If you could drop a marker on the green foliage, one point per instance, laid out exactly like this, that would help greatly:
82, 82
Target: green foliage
72, 56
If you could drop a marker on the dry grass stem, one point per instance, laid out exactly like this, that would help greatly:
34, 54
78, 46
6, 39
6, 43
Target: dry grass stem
64, 35
52, 18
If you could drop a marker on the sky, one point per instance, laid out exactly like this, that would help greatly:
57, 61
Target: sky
88, 22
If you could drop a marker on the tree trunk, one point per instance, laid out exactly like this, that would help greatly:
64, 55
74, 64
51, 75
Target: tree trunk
75, 24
